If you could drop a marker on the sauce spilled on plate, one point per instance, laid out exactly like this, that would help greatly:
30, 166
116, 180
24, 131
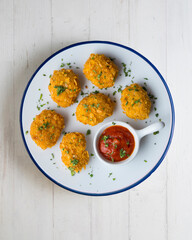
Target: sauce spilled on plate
116, 143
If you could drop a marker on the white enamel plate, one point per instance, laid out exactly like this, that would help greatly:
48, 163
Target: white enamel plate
99, 178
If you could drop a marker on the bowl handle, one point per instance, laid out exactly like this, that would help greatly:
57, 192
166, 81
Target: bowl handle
150, 129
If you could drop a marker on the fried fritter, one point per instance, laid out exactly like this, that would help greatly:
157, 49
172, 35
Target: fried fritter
74, 155
94, 108
64, 87
100, 70
46, 128
135, 102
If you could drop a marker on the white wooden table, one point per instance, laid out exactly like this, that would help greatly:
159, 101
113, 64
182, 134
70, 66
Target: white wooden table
31, 206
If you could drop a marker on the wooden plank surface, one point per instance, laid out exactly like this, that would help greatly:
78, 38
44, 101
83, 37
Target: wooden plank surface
148, 201
6, 109
179, 70
32, 207
33, 201
70, 210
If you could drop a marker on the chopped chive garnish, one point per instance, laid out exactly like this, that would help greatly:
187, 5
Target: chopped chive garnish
120, 89
99, 75
72, 171
88, 132
91, 174
60, 89
136, 101
122, 153
96, 92
155, 133
85, 105
105, 138
74, 162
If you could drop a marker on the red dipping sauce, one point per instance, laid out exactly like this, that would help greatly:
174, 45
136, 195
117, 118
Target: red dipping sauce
116, 143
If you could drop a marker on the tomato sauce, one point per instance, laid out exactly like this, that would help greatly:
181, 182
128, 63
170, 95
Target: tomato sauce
116, 143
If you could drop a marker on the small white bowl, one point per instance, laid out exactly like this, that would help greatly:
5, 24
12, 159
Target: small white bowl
137, 134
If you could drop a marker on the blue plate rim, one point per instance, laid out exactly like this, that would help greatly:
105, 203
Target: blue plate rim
171, 132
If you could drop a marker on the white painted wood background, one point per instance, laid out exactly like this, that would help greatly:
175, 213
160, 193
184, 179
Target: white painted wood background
31, 206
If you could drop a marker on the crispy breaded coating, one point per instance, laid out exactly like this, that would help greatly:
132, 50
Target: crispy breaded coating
46, 128
135, 102
64, 87
94, 108
73, 150
100, 70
